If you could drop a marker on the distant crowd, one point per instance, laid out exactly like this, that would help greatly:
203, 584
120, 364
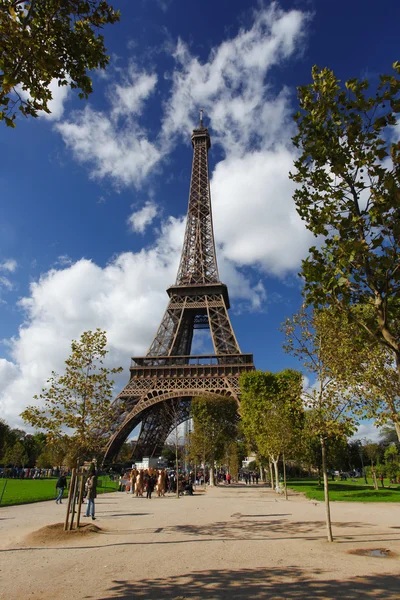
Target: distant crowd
27, 473
163, 481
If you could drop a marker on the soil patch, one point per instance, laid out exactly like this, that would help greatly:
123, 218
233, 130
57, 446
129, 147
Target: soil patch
53, 534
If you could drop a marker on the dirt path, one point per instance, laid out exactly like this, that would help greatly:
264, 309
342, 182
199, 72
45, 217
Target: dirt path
230, 542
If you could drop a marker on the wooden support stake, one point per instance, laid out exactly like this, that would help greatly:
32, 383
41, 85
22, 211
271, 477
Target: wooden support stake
73, 503
70, 494
81, 489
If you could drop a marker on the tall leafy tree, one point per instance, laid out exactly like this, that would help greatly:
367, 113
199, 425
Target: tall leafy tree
348, 171
79, 400
328, 399
45, 40
215, 425
272, 412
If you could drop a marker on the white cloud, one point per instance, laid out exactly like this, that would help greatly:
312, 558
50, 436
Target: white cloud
140, 219
56, 104
232, 85
367, 431
126, 298
10, 265
128, 99
115, 145
6, 283
254, 215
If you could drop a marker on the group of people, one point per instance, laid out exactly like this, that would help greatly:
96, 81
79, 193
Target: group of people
250, 477
140, 482
26, 473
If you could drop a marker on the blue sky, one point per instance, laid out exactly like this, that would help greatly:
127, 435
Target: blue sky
94, 197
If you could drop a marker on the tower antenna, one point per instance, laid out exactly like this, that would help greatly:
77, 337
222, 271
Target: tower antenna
201, 117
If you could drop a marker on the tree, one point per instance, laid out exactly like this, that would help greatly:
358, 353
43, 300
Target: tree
348, 173
392, 462
80, 399
272, 412
330, 401
4, 435
46, 40
215, 421
15, 455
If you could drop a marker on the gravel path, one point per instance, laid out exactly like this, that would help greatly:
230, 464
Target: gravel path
231, 542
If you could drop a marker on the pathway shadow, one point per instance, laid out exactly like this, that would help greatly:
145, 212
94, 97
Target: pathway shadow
255, 584
243, 528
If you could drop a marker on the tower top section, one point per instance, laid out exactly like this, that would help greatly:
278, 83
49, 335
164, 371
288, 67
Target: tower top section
201, 133
198, 265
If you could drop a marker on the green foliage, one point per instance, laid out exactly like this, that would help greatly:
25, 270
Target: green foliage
79, 400
42, 40
215, 425
15, 455
271, 410
348, 173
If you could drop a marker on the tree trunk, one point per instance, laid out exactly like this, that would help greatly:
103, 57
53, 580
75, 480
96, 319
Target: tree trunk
397, 427
326, 492
271, 474
211, 474
284, 475
275, 463
177, 462
261, 474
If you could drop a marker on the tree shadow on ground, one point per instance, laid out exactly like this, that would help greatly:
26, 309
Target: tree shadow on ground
257, 529
251, 584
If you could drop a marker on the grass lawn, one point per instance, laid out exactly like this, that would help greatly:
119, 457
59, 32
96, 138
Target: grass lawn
24, 491
346, 491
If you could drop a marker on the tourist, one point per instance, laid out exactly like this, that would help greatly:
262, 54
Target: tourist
60, 487
92, 493
150, 482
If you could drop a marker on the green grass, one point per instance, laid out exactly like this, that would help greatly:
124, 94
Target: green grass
25, 491
346, 491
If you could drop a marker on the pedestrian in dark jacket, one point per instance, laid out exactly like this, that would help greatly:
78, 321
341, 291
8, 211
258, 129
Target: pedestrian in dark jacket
60, 487
150, 483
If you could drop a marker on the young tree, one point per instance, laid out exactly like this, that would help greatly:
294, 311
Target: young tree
272, 412
348, 173
215, 423
79, 400
45, 40
328, 399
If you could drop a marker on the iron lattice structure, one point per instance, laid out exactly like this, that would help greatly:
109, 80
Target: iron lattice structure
169, 376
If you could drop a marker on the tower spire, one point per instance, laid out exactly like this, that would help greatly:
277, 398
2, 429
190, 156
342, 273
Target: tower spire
198, 263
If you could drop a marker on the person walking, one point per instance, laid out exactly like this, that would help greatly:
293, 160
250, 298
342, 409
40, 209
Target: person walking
60, 487
150, 482
91, 493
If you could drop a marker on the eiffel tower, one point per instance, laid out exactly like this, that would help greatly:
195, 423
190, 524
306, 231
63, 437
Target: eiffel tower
198, 300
